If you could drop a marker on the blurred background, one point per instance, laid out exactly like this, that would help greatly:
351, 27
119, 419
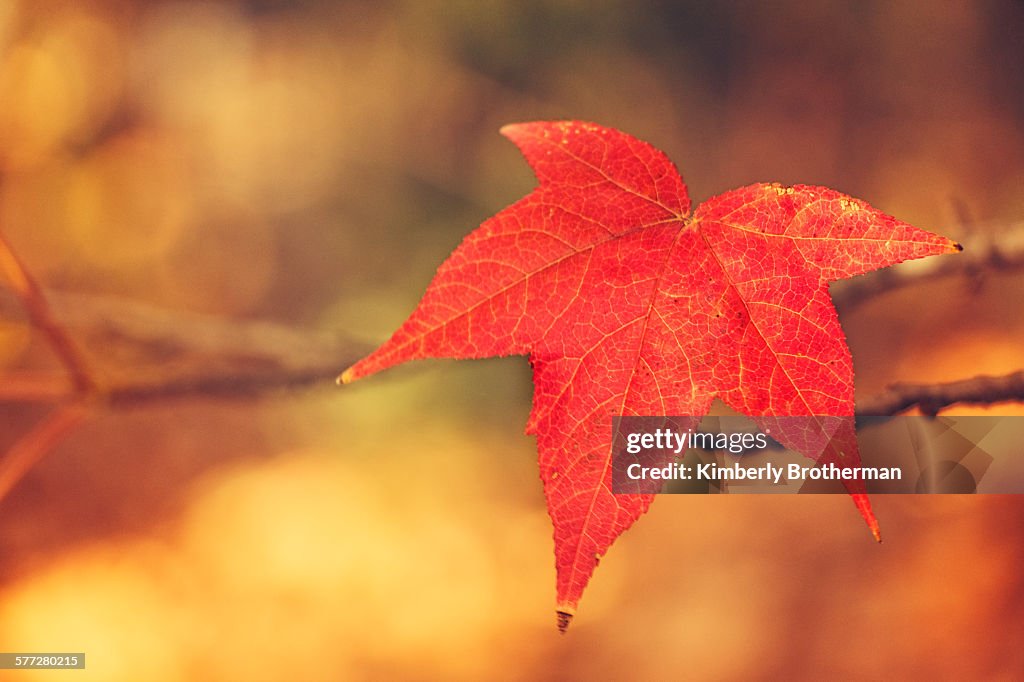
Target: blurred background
306, 166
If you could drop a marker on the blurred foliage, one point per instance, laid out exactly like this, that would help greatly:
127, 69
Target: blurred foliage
312, 162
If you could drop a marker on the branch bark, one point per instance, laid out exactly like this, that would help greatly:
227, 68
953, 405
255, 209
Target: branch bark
147, 354
38, 309
931, 398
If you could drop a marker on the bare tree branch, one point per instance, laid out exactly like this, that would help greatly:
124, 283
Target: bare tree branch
142, 355
153, 356
931, 398
147, 354
38, 442
39, 311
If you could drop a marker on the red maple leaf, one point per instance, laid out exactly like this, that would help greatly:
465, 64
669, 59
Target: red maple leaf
628, 304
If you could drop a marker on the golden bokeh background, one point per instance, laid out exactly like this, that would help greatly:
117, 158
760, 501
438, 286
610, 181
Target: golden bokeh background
310, 164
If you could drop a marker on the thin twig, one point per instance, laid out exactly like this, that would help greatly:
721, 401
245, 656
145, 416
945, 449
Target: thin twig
37, 443
227, 386
931, 398
131, 337
170, 355
39, 312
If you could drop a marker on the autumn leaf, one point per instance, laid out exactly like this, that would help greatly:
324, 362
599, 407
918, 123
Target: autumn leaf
628, 304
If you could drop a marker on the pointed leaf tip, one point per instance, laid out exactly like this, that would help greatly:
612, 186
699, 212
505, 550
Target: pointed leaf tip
509, 130
863, 504
876, 530
563, 621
